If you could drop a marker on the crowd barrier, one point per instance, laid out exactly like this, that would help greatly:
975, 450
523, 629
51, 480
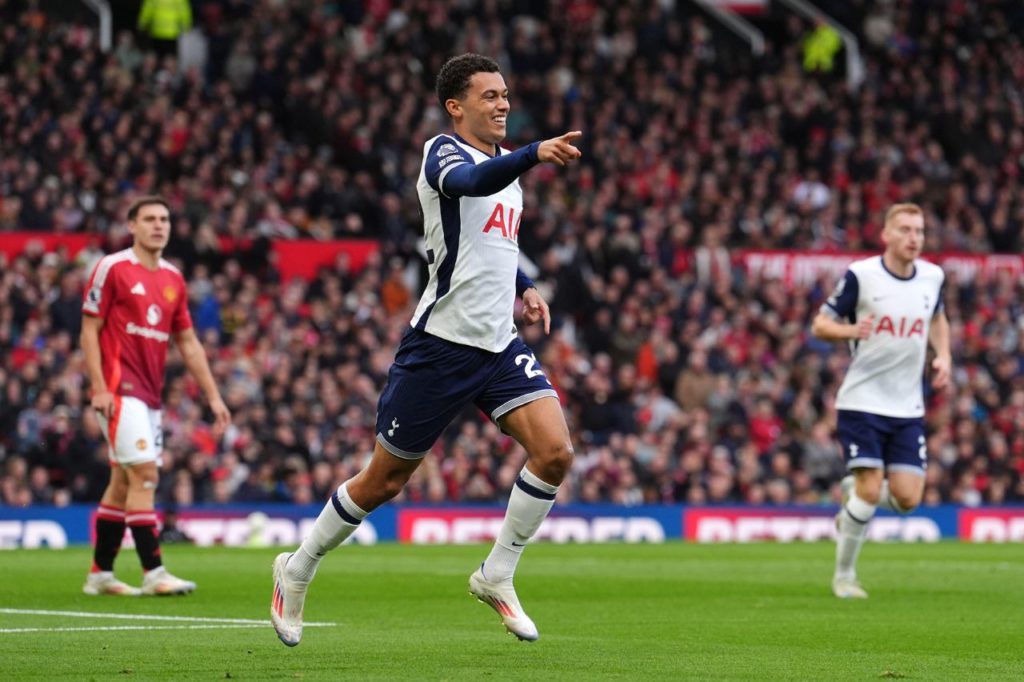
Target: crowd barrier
272, 525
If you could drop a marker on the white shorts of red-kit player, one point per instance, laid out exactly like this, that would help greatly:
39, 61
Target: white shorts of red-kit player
134, 432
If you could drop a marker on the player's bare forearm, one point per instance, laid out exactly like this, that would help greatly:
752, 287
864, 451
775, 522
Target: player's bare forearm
90, 341
194, 356
938, 335
942, 365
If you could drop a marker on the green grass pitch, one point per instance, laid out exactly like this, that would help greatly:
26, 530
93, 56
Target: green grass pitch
676, 611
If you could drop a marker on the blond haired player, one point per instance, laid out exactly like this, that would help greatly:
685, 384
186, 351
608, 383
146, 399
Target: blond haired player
889, 308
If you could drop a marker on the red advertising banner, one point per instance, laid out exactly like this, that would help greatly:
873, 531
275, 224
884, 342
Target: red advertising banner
294, 258
752, 524
448, 526
15, 243
802, 267
304, 258
991, 525
578, 524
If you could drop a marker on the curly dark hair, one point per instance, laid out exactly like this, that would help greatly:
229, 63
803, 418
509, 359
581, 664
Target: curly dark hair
453, 78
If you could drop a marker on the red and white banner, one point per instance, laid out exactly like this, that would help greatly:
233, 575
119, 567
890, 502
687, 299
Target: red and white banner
804, 267
470, 525
752, 524
992, 525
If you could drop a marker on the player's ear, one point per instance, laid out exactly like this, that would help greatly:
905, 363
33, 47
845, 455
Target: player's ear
453, 107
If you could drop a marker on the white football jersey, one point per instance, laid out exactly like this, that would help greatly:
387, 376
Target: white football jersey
886, 374
472, 252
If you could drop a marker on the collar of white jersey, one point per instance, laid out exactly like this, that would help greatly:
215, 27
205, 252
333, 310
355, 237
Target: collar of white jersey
881, 259
497, 149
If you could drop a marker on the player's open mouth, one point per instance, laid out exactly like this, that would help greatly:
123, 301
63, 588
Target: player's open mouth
500, 120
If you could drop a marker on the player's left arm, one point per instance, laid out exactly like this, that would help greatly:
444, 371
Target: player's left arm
938, 337
194, 355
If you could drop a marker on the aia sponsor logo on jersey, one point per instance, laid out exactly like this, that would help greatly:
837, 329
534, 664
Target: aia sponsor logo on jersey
504, 221
902, 327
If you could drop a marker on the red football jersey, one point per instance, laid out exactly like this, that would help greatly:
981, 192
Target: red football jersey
140, 309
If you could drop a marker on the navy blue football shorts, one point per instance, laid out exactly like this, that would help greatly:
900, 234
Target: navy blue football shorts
871, 441
432, 380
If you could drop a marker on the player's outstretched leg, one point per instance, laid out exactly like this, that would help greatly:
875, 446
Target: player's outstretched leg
294, 571
852, 524
528, 505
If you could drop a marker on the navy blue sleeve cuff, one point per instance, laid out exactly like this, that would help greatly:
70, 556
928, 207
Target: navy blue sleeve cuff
523, 283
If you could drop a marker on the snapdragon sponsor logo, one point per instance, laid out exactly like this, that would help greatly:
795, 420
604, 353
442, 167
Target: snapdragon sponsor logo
737, 525
147, 332
443, 526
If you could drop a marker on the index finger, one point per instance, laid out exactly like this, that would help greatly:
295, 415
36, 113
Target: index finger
572, 135
546, 314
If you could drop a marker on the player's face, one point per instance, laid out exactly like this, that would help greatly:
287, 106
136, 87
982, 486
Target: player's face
485, 108
151, 227
904, 235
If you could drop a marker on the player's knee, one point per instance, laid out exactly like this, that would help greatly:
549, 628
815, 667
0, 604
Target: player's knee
392, 485
870, 494
555, 461
145, 481
907, 502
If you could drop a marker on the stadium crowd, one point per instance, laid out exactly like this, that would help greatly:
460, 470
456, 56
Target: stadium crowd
685, 378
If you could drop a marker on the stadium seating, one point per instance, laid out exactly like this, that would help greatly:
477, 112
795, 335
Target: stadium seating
687, 374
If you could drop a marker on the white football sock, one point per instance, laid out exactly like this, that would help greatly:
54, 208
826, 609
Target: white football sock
853, 526
528, 506
887, 501
338, 519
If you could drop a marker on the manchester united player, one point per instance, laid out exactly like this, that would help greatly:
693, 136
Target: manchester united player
134, 303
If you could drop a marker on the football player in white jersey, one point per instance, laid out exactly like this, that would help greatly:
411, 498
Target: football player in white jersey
889, 308
461, 347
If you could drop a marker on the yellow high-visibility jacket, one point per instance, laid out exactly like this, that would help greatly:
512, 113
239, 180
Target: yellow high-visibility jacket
165, 19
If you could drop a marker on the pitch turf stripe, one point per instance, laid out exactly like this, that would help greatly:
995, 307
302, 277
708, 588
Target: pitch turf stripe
140, 616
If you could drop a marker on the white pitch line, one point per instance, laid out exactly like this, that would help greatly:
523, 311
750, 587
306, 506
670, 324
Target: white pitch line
220, 626
140, 616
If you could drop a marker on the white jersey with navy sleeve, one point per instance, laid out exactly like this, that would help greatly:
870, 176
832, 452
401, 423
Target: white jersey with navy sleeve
472, 252
886, 374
